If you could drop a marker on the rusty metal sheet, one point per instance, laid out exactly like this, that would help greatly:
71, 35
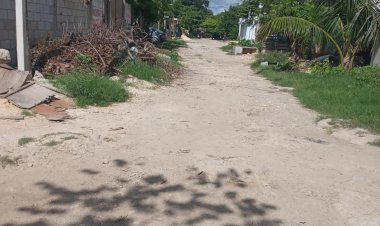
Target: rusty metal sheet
31, 96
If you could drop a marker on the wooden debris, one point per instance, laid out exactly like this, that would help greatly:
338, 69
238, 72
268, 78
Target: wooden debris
15, 118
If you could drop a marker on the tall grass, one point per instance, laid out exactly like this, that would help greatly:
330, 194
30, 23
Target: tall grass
91, 89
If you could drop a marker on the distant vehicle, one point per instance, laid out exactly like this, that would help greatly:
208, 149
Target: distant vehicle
156, 35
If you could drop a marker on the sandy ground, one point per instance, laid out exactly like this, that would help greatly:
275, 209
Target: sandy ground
222, 146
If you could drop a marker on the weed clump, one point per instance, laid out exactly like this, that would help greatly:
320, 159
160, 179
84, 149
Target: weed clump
277, 61
91, 89
5, 161
25, 140
27, 113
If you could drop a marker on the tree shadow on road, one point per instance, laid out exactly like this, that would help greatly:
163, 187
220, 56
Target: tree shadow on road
189, 203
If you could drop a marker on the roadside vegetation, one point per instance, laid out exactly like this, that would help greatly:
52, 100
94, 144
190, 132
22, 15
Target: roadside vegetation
145, 71
332, 91
172, 44
88, 88
330, 46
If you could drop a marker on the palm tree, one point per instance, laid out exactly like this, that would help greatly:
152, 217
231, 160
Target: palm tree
351, 25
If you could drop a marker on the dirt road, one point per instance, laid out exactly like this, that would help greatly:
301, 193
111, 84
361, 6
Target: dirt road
222, 146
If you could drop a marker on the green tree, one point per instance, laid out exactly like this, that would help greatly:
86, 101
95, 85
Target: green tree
213, 24
149, 11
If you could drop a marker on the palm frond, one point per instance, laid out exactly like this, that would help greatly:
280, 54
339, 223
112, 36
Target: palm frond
295, 27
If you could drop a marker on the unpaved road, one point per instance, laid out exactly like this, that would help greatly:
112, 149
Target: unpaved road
222, 147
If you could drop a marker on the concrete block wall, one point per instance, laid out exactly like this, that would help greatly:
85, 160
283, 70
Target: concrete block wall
46, 18
40, 20
97, 12
73, 15
8, 27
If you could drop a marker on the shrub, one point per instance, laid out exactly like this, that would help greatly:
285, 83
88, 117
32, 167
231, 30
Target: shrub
277, 60
91, 89
326, 69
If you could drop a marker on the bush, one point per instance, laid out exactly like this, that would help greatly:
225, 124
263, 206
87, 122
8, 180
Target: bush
146, 71
91, 89
277, 60
245, 43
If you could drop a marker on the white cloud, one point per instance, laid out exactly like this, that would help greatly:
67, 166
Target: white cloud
217, 6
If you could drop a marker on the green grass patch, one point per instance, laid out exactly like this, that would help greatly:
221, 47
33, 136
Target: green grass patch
346, 96
5, 161
174, 56
27, 113
91, 89
172, 44
146, 71
25, 140
227, 48
70, 138
52, 143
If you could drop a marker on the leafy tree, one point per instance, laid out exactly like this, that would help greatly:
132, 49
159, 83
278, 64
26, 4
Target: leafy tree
149, 11
212, 24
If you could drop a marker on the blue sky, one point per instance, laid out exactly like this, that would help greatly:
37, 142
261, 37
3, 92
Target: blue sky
217, 6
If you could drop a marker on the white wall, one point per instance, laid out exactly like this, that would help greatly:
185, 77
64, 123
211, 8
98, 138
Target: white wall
376, 55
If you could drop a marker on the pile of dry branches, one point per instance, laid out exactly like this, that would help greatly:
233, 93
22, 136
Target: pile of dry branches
101, 49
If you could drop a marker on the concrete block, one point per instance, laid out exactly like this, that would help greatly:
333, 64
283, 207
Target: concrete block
4, 34
5, 44
3, 14
7, 4
237, 50
5, 56
11, 14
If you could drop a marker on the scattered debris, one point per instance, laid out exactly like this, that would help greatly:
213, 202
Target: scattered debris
117, 128
184, 151
315, 140
53, 111
31, 96
15, 118
12, 80
101, 50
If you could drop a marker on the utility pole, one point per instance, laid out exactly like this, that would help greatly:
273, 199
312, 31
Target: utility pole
21, 36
